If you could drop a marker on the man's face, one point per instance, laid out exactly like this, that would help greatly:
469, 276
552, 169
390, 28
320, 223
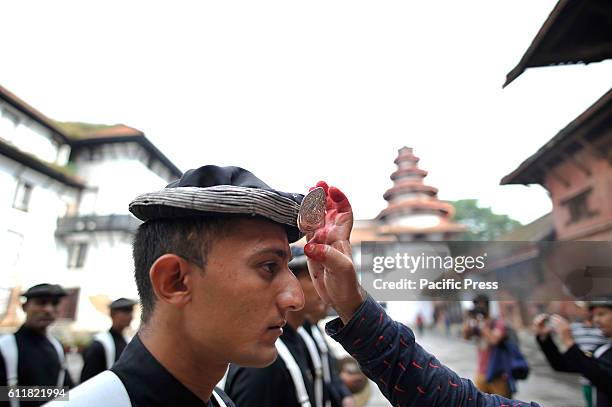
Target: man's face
602, 317
314, 306
122, 318
41, 312
481, 307
241, 298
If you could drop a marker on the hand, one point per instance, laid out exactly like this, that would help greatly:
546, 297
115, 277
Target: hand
562, 327
540, 326
329, 256
348, 402
355, 382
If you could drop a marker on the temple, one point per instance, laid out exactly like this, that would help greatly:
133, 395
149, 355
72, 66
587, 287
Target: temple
414, 211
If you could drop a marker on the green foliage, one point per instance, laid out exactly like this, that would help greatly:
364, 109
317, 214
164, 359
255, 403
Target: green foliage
79, 130
482, 223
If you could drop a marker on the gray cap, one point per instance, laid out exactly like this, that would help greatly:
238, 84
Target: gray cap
211, 189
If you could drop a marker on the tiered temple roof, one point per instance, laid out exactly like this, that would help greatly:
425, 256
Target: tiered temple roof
413, 207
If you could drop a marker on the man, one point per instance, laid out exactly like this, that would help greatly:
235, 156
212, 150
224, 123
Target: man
595, 366
336, 392
588, 338
107, 346
488, 334
211, 271
295, 378
31, 356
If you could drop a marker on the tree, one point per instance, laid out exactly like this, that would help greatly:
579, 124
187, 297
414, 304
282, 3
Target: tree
482, 223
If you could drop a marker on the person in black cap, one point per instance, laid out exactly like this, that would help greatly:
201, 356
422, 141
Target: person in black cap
336, 392
211, 271
596, 366
107, 346
31, 356
295, 378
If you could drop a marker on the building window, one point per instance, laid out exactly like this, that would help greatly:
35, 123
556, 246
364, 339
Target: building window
22, 197
578, 207
76, 255
68, 306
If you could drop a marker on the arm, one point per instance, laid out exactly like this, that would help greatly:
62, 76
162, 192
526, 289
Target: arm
495, 335
466, 329
386, 350
94, 361
403, 370
598, 371
553, 356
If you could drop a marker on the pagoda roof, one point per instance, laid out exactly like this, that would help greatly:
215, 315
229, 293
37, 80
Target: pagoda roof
405, 154
366, 230
574, 32
409, 186
409, 171
410, 206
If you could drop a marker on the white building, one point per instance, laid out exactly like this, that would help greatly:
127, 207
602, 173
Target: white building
64, 194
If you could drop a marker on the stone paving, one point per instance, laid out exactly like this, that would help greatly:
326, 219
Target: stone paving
544, 386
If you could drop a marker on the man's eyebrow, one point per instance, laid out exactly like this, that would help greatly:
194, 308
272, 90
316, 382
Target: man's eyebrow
283, 254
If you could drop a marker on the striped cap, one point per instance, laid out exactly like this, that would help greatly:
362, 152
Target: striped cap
211, 190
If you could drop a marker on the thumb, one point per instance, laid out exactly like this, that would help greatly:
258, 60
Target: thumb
332, 259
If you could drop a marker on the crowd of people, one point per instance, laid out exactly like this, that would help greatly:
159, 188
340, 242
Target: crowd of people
219, 285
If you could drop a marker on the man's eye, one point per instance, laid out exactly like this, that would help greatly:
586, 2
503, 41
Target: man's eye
270, 267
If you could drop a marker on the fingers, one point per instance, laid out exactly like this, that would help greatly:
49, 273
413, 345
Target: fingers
336, 198
333, 260
557, 319
540, 319
559, 323
323, 185
341, 201
339, 213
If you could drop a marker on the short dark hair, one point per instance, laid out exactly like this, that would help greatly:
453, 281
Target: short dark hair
481, 298
299, 270
190, 238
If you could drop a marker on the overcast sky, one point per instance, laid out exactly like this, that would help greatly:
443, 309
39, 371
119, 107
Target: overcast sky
302, 91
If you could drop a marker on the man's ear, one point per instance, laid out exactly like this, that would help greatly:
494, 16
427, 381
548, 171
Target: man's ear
171, 279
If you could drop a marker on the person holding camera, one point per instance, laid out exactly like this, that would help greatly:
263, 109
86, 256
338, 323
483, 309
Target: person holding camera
488, 333
596, 366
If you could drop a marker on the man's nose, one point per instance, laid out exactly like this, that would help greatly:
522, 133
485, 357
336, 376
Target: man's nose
50, 308
291, 297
